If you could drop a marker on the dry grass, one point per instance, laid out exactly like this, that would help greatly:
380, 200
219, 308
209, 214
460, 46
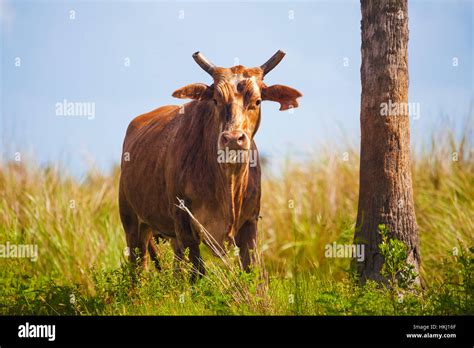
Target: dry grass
77, 229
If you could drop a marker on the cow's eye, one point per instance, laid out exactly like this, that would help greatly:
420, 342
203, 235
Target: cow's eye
258, 102
215, 101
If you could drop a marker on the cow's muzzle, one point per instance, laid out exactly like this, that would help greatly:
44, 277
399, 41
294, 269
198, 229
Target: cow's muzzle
234, 140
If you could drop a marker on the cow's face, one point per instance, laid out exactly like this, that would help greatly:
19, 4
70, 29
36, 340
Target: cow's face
236, 96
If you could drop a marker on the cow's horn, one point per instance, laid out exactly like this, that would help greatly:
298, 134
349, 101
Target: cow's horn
272, 62
204, 63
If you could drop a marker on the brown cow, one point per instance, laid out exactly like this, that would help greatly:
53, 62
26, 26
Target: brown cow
192, 152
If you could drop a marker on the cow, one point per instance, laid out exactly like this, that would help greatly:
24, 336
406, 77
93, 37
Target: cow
170, 160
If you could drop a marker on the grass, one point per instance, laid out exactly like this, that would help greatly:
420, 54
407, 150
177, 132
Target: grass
81, 268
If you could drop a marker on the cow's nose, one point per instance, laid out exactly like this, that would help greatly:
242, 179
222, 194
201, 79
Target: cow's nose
234, 139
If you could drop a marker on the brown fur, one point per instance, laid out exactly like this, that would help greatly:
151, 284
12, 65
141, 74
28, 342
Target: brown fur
171, 153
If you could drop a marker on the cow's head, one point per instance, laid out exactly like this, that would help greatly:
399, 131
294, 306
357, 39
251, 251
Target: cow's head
236, 95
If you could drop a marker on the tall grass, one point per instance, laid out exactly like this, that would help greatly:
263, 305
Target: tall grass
81, 266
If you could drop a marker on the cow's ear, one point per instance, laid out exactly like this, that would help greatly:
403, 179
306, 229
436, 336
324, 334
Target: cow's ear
197, 91
285, 95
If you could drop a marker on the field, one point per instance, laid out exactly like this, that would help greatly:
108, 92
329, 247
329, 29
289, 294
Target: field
81, 268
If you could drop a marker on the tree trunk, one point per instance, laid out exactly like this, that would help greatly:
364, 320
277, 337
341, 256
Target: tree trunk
385, 193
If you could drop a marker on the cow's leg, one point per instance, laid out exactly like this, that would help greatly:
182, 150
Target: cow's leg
145, 235
194, 256
198, 265
130, 225
178, 255
153, 250
246, 240
186, 239
132, 235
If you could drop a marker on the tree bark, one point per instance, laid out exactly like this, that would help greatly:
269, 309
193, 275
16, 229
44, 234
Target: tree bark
385, 192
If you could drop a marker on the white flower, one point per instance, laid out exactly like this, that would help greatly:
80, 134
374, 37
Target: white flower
400, 298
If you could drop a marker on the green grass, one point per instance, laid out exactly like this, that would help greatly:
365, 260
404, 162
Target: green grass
81, 267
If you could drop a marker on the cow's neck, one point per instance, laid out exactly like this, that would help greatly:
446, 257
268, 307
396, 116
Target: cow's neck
220, 188
235, 185
229, 180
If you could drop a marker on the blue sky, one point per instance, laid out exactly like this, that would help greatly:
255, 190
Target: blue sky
83, 60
